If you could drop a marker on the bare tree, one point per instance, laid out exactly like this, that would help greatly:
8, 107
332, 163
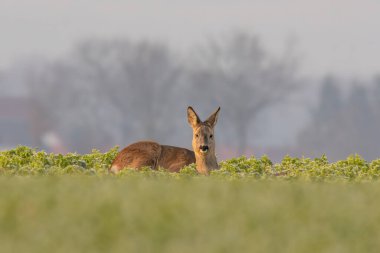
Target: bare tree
110, 92
68, 105
238, 74
139, 80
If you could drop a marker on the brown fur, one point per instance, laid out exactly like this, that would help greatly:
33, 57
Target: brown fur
203, 134
154, 155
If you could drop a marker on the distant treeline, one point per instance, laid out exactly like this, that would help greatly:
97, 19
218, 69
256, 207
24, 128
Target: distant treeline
118, 91
113, 92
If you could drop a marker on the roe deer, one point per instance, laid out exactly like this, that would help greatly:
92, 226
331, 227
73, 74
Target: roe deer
154, 155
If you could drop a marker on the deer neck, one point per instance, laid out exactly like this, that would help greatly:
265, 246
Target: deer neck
206, 163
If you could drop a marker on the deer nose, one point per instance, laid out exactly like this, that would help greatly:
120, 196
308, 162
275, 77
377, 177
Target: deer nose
203, 148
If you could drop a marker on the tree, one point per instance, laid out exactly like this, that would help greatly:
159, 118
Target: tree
360, 124
322, 134
140, 80
330, 100
67, 104
111, 92
238, 74
341, 127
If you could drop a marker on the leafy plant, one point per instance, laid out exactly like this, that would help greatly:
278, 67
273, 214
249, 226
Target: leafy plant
27, 161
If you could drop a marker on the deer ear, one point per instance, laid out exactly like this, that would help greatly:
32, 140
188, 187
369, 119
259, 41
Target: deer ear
213, 118
192, 117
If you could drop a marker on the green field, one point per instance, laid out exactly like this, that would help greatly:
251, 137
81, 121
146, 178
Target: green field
76, 214
55, 203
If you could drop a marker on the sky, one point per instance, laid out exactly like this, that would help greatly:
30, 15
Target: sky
330, 36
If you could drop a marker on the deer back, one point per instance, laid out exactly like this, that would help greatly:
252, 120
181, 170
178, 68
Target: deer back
153, 155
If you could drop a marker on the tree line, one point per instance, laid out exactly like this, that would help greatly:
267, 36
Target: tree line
114, 92
109, 92
345, 121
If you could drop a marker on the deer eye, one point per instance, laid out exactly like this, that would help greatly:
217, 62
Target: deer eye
211, 135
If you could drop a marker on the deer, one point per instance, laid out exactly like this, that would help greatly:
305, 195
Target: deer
151, 154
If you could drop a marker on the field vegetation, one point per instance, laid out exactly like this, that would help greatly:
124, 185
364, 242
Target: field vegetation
69, 203
24, 161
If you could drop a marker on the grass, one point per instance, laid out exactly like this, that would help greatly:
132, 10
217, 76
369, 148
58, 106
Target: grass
69, 203
108, 214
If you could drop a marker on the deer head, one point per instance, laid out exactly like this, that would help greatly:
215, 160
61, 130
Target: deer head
203, 140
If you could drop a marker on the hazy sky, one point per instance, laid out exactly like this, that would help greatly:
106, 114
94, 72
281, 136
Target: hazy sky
340, 36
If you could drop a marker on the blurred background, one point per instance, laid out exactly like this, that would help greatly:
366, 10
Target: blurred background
292, 76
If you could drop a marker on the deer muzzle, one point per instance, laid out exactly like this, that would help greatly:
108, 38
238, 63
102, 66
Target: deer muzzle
204, 149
